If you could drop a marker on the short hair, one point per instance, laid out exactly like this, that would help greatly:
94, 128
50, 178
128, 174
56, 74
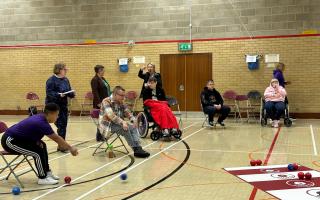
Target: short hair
153, 65
280, 65
58, 67
152, 79
210, 81
118, 88
51, 107
98, 68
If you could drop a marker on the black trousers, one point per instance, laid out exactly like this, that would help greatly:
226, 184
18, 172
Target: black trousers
211, 111
38, 150
62, 121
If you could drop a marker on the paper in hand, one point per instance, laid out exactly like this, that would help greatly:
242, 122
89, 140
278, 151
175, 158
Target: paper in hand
67, 92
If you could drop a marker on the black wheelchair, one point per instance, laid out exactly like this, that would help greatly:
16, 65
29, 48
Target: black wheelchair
264, 117
146, 122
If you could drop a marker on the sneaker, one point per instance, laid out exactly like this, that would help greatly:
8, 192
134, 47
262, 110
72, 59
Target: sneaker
222, 124
47, 181
50, 174
165, 133
211, 123
276, 124
174, 130
272, 123
140, 153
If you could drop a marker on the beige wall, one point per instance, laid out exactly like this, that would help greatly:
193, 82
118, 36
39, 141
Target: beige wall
27, 69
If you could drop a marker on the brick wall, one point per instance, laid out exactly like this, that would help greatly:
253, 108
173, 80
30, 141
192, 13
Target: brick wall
27, 69
62, 21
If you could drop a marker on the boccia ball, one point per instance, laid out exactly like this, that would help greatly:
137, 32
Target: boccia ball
123, 176
16, 190
301, 175
67, 179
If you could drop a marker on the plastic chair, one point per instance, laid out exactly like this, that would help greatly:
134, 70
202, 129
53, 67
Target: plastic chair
243, 104
131, 99
230, 100
34, 100
87, 104
108, 135
12, 164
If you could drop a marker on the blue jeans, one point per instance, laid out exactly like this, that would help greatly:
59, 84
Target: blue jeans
275, 109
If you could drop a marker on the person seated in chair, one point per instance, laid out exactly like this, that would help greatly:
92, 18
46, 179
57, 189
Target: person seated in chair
25, 138
212, 103
113, 110
154, 98
275, 97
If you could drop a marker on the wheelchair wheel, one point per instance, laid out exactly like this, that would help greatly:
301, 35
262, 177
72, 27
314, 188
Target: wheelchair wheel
178, 134
143, 126
263, 122
287, 122
154, 135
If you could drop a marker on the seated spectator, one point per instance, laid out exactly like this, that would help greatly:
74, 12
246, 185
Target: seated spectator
274, 97
112, 113
212, 103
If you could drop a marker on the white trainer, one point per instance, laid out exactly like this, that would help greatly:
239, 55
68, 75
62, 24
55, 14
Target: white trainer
50, 174
47, 181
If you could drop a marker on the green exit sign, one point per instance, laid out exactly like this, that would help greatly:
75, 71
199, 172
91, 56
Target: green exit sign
185, 46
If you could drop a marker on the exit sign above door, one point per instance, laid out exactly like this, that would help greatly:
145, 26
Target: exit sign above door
185, 46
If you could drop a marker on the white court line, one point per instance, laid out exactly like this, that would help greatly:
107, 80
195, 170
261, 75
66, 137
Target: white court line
28, 168
131, 168
313, 141
230, 151
99, 168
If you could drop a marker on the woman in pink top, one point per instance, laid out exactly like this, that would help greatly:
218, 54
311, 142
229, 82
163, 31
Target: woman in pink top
275, 96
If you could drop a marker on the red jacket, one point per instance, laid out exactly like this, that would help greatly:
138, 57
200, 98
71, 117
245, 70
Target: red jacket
162, 114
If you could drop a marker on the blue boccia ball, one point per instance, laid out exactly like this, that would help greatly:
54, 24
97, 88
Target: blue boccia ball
16, 190
290, 167
123, 176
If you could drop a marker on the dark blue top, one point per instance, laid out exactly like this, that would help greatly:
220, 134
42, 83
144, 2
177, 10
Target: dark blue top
279, 75
31, 129
56, 85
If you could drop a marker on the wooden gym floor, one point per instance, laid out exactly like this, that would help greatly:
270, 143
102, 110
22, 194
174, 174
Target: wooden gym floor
187, 169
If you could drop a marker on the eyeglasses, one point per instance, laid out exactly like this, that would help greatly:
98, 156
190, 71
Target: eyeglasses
121, 95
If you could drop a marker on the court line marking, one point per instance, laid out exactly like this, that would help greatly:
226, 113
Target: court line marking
254, 190
313, 141
99, 168
229, 151
131, 168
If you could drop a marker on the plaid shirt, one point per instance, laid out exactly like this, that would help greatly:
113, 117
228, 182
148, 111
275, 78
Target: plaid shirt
113, 112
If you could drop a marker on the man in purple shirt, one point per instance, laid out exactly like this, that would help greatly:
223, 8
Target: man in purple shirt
25, 138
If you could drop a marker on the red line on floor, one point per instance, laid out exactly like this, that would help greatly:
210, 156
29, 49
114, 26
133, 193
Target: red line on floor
254, 190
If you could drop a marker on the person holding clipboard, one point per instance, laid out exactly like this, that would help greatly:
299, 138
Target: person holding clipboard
58, 90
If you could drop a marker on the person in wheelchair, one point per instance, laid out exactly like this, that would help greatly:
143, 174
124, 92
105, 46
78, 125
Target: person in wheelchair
113, 110
156, 106
212, 103
275, 101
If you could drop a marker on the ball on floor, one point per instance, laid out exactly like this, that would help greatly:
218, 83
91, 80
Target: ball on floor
123, 176
16, 190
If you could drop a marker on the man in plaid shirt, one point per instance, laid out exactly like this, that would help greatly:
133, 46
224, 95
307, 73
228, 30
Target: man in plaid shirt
112, 114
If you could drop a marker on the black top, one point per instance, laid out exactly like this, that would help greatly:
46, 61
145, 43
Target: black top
210, 97
158, 94
100, 90
146, 77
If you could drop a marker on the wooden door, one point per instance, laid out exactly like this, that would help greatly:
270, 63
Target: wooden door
184, 76
172, 70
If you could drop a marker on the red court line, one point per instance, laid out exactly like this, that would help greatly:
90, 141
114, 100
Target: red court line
254, 190
157, 41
